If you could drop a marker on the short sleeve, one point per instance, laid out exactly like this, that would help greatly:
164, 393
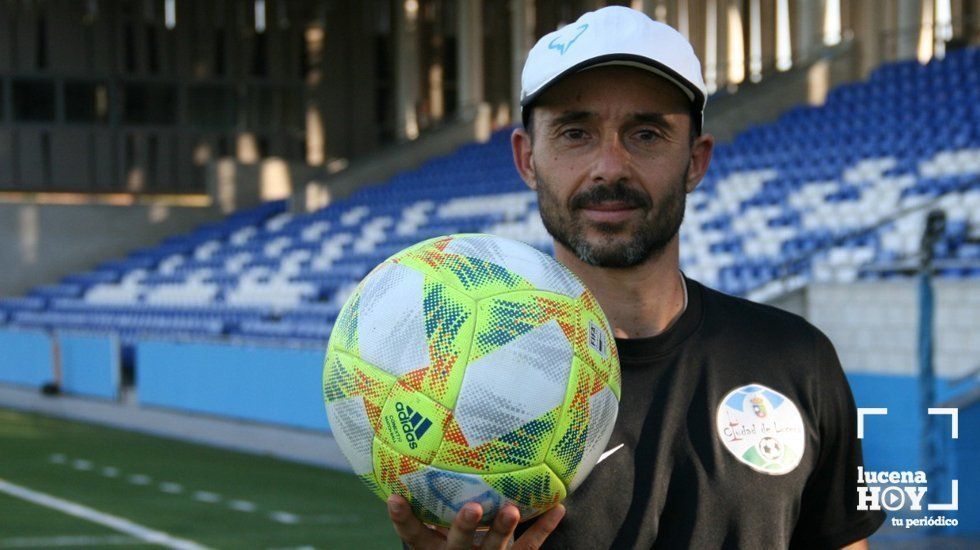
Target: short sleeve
829, 517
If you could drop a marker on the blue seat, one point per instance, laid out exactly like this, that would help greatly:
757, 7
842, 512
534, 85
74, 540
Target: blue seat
904, 111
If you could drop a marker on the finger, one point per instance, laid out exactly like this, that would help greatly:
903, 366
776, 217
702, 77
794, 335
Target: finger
408, 527
503, 527
461, 533
534, 537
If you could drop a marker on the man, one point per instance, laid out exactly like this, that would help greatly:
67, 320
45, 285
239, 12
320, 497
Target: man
736, 426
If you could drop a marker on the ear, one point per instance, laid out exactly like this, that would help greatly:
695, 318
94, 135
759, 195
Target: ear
701, 152
520, 142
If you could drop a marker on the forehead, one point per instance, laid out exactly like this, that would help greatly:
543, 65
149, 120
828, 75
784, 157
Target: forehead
614, 88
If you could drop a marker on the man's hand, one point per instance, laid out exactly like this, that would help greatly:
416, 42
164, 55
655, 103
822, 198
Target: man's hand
462, 534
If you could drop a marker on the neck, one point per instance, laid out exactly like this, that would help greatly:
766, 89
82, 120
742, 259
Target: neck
639, 301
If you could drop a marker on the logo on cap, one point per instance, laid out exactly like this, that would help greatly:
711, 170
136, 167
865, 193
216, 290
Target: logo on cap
562, 47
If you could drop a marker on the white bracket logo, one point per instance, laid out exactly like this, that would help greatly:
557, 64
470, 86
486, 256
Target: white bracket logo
888, 497
863, 411
954, 419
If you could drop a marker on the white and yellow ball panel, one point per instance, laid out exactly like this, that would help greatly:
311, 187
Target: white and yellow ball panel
391, 320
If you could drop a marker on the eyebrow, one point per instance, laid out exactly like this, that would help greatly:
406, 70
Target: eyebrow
571, 116
651, 118
578, 116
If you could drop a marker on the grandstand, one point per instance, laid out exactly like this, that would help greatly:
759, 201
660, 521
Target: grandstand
831, 193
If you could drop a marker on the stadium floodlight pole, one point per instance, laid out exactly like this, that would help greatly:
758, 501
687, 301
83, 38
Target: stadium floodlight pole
931, 446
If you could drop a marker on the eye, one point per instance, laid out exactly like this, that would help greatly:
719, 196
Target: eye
646, 135
574, 134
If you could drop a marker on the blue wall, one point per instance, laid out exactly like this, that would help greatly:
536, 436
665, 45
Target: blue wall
89, 364
966, 468
283, 386
890, 442
25, 357
277, 385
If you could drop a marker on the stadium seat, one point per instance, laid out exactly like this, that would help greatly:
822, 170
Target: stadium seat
838, 192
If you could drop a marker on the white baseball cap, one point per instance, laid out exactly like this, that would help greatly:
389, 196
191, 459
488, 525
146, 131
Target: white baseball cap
614, 35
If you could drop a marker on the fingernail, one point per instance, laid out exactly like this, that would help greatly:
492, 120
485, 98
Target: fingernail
394, 505
470, 514
560, 513
511, 519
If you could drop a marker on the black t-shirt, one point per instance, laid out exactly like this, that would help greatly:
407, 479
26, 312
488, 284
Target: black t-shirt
736, 429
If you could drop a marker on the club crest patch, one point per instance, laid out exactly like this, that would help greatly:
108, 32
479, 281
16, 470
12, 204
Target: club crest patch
762, 428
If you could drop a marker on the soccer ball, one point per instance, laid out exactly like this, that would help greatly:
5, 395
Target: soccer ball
471, 368
770, 448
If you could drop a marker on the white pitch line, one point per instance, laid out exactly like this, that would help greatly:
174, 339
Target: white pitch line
84, 512
171, 487
68, 541
333, 519
110, 471
204, 496
80, 464
242, 505
284, 517
140, 479
58, 458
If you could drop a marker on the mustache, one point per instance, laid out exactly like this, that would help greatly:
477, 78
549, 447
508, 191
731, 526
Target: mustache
618, 192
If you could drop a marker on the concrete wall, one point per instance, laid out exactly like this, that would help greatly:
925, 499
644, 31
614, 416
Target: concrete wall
44, 242
874, 326
236, 185
378, 167
753, 104
793, 302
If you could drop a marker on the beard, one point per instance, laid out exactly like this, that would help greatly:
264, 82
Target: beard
621, 244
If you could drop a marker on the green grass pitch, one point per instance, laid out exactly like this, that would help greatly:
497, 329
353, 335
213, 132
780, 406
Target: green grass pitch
216, 498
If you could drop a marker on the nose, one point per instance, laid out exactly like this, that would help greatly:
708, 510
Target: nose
612, 161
